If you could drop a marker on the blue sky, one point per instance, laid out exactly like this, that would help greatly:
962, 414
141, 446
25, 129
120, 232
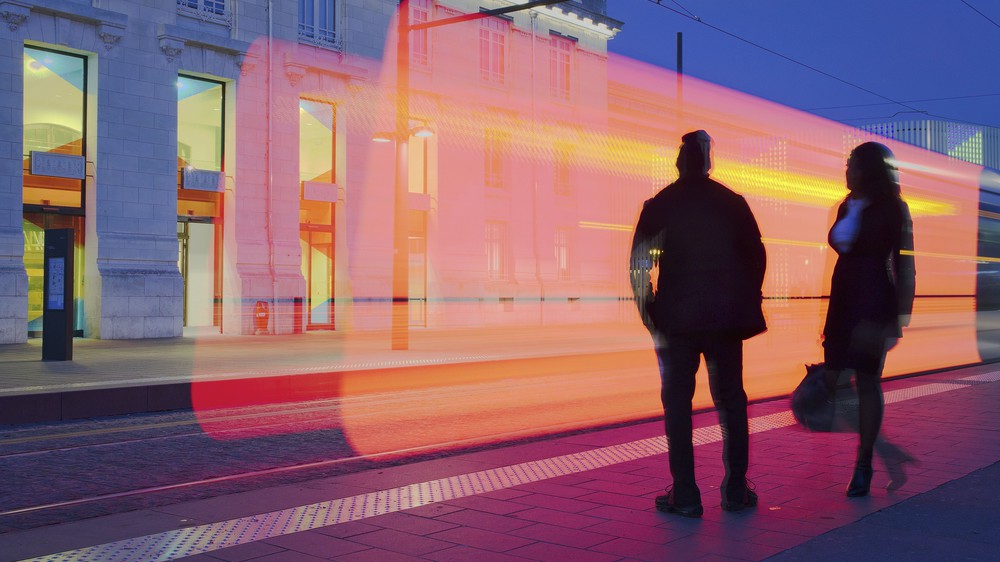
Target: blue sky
905, 50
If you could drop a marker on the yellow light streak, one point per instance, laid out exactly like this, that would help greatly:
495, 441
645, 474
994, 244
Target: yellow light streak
605, 226
784, 242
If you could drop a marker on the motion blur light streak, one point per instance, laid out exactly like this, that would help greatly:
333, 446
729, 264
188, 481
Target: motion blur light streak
509, 170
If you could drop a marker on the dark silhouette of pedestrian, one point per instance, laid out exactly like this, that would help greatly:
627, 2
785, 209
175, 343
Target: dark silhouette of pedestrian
704, 247
871, 295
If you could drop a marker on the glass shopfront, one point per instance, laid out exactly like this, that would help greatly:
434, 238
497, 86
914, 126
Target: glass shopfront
55, 89
318, 195
200, 149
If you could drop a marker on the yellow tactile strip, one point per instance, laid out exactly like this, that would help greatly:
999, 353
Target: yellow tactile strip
200, 539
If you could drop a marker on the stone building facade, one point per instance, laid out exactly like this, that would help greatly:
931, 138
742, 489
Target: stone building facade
215, 160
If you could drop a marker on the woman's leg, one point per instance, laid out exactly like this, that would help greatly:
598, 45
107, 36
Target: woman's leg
870, 408
869, 357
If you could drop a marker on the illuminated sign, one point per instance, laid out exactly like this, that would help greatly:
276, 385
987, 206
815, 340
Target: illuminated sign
202, 180
319, 191
58, 165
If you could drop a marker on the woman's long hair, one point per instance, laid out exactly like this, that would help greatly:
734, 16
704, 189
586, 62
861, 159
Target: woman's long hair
876, 173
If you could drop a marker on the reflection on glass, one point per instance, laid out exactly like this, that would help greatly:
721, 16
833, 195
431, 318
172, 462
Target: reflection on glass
200, 109
54, 95
317, 268
418, 268
199, 123
35, 225
316, 141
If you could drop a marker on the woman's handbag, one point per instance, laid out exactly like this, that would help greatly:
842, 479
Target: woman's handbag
812, 404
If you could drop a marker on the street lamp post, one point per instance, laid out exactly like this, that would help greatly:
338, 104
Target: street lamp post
401, 216
401, 219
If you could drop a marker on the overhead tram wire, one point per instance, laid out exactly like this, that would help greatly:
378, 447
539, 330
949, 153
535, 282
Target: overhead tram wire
974, 9
686, 10
786, 57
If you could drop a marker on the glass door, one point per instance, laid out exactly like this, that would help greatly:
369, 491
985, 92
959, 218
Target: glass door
317, 243
35, 225
198, 260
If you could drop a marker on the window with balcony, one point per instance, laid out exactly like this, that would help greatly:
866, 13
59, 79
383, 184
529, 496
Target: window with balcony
207, 10
318, 22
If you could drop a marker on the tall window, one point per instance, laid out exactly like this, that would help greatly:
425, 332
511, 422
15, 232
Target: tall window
54, 115
317, 141
200, 123
494, 153
496, 250
418, 156
200, 149
493, 49
420, 48
53, 141
317, 231
560, 65
317, 22
562, 253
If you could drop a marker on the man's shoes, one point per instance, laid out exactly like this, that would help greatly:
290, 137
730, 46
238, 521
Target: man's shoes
666, 504
749, 499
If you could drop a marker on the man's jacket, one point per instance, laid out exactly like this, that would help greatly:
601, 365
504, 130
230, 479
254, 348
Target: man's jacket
706, 243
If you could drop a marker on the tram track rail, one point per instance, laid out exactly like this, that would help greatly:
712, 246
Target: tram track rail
454, 447
289, 419
296, 423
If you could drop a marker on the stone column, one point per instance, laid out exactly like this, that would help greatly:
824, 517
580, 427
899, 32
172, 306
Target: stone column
13, 277
137, 289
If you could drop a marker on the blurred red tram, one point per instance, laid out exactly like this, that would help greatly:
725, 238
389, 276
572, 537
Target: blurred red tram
621, 146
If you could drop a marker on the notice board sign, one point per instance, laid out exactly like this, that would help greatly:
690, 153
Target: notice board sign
57, 310
57, 279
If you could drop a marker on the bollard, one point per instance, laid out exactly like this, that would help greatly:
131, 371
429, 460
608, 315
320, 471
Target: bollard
261, 317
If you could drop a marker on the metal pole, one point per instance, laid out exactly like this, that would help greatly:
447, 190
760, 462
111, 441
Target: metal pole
680, 81
401, 225
486, 13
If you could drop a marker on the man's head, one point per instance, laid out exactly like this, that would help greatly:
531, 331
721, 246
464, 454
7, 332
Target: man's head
695, 155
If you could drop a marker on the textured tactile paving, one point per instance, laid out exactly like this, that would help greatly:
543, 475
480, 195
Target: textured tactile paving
200, 539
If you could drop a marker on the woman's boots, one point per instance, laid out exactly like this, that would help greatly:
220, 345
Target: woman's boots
861, 482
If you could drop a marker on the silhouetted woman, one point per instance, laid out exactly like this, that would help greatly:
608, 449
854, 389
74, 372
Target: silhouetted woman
871, 293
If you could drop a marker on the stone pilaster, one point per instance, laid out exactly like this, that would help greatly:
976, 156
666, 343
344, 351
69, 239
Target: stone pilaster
13, 277
134, 288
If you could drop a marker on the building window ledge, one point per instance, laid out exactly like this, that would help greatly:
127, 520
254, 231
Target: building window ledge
324, 39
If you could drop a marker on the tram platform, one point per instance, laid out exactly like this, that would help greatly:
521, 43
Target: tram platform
589, 496
113, 377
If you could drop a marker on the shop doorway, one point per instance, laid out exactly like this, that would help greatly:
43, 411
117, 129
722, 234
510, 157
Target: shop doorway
198, 261
35, 225
317, 243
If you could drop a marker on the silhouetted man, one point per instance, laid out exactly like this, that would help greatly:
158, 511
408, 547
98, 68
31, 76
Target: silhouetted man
704, 242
